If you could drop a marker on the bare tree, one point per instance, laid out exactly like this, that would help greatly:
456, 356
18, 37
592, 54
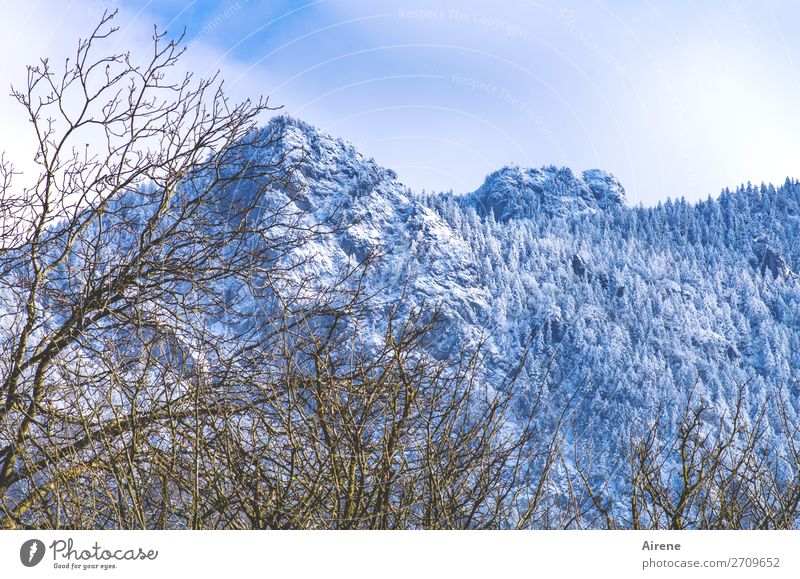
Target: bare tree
151, 191
168, 364
358, 431
707, 472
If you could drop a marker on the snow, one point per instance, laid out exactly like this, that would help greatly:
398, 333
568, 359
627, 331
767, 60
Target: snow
671, 303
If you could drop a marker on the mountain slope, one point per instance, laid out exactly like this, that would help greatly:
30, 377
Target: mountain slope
620, 312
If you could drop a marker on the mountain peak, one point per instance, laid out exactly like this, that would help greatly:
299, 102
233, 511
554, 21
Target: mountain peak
514, 192
322, 166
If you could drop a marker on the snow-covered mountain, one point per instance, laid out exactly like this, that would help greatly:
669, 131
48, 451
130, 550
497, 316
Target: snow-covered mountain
620, 312
599, 318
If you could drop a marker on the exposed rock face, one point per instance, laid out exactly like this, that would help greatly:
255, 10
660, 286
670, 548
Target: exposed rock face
775, 264
578, 265
768, 260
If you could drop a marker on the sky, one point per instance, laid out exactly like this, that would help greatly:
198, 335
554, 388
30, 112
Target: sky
676, 98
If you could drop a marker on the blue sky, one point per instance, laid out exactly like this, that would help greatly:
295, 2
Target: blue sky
675, 98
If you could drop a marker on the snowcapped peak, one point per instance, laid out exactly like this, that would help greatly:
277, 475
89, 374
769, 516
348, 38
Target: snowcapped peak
316, 148
323, 169
515, 192
286, 122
